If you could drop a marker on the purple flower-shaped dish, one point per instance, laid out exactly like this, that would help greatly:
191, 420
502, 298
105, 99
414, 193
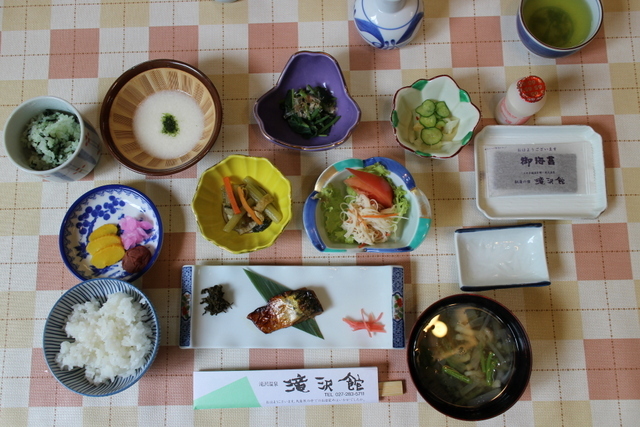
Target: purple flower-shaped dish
313, 69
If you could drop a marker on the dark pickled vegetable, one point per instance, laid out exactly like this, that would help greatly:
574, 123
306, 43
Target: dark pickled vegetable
215, 301
261, 227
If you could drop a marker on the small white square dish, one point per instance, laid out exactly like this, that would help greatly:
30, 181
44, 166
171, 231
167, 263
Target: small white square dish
540, 172
501, 257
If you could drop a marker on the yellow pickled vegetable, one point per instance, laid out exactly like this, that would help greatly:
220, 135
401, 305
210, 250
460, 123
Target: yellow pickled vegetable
103, 231
102, 242
108, 256
105, 246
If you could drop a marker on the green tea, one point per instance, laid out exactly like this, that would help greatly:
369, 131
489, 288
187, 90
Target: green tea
565, 23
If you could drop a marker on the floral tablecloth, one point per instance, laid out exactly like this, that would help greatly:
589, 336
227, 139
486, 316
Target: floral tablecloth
584, 328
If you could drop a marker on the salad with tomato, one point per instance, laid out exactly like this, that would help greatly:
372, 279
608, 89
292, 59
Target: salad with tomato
367, 209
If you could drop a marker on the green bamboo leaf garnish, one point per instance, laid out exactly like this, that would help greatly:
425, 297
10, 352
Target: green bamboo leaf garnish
269, 289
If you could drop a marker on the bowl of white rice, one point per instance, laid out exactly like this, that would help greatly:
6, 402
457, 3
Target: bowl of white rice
46, 136
161, 117
101, 337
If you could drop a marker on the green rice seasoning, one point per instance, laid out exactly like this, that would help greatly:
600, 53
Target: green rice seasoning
170, 124
51, 137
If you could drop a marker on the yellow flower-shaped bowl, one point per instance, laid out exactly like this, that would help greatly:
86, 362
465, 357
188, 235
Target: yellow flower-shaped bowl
207, 202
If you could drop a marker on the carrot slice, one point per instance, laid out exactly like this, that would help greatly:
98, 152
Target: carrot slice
389, 215
228, 188
371, 325
245, 205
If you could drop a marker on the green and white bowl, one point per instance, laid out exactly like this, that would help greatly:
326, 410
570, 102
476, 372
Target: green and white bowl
78, 164
442, 88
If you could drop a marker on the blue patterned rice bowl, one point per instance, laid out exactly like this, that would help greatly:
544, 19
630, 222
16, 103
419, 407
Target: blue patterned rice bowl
54, 334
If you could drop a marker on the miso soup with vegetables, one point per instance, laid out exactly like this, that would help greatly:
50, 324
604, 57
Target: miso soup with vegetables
466, 355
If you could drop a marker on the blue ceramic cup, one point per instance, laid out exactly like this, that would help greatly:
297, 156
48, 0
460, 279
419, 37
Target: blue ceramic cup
553, 29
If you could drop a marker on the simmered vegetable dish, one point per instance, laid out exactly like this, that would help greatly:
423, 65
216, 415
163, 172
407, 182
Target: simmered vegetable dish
247, 207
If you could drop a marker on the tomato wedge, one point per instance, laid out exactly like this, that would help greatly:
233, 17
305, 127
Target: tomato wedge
373, 186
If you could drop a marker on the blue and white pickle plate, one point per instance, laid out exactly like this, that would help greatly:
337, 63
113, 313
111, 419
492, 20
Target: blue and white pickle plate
339, 290
106, 205
501, 257
411, 232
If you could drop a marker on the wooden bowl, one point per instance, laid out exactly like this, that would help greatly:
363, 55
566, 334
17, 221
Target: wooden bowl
132, 88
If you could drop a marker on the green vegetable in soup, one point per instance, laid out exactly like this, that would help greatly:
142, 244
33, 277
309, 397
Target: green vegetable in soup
468, 358
455, 374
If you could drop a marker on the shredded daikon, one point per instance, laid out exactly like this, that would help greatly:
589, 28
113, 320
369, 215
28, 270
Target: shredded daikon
363, 220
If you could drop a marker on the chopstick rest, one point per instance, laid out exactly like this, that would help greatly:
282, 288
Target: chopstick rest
390, 388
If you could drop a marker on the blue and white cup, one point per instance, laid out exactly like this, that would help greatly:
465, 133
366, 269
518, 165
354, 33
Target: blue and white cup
576, 24
80, 162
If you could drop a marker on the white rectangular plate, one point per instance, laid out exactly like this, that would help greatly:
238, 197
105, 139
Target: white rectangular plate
588, 202
342, 291
501, 257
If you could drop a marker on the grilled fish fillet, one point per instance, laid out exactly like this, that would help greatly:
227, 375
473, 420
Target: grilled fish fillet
286, 309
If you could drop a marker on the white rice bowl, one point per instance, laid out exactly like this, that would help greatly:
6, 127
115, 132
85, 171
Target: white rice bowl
115, 332
110, 340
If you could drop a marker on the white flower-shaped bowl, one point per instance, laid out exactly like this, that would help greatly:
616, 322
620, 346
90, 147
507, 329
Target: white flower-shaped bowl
442, 88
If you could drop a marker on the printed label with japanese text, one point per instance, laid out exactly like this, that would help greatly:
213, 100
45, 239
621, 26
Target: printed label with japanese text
284, 387
531, 170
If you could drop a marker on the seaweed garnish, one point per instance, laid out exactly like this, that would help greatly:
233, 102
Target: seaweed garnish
215, 302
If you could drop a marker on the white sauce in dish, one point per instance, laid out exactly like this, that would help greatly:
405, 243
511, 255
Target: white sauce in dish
148, 124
